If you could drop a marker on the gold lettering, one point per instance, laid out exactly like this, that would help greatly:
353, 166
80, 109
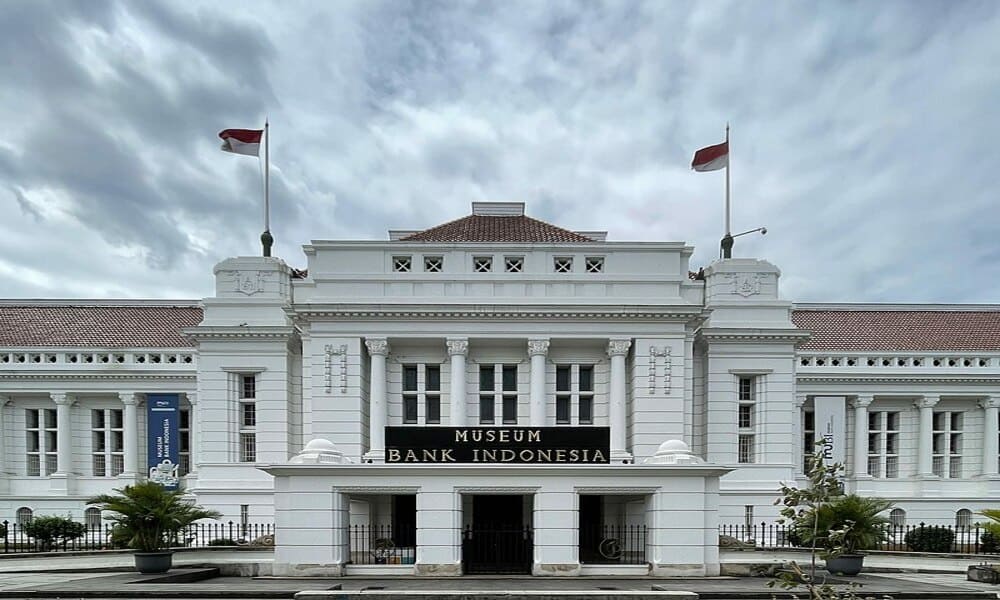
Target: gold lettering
491, 436
491, 455
411, 456
446, 456
560, 455
518, 435
393, 455
586, 455
574, 455
475, 455
461, 435
527, 456
534, 436
430, 455
599, 456
544, 455
506, 455
505, 435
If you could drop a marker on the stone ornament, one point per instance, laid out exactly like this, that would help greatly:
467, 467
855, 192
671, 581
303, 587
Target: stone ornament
457, 347
663, 353
674, 452
926, 402
377, 346
249, 282
340, 351
538, 347
746, 284
619, 347
319, 451
863, 401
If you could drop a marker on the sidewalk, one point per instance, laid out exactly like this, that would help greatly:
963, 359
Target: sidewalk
874, 563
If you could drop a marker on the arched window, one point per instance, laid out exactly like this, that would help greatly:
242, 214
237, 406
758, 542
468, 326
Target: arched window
92, 517
963, 518
24, 515
897, 517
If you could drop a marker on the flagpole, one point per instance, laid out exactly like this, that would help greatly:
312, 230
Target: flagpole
727, 240
266, 239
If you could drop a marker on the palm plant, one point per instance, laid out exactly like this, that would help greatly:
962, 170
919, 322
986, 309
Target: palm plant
149, 516
846, 524
993, 526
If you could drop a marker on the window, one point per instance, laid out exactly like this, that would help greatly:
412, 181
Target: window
594, 264
897, 518
41, 439
184, 434
808, 438
247, 405
24, 516
401, 264
562, 264
433, 264
747, 407
883, 444
513, 264
497, 383
748, 517
482, 264
92, 518
107, 442
963, 518
947, 455
422, 383
574, 386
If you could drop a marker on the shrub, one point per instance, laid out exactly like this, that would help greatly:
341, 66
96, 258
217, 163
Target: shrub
222, 542
50, 530
989, 543
845, 524
930, 539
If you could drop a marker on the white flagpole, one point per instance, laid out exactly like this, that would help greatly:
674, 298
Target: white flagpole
266, 239
728, 161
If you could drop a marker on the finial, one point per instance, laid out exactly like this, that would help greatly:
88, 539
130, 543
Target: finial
266, 240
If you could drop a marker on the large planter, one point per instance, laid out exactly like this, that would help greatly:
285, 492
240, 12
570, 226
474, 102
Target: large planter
845, 564
153, 562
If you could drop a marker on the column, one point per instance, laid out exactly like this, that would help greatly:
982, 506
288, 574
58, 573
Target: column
130, 414
991, 429
194, 430
797, 431
926, 448
378, 349
64, 433
4, 481
617, 350
861, 404
458, 349
537, 349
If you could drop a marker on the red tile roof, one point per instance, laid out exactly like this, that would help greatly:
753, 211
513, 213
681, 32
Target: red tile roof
900, 330
101, 326
490, 228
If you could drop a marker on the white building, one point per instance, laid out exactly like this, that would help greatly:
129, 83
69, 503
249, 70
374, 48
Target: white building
502, 322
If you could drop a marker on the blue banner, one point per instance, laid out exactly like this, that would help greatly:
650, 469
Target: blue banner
162, 420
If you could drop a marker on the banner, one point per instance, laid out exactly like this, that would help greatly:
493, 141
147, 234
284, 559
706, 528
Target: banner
162, 420
538, 445
830, 413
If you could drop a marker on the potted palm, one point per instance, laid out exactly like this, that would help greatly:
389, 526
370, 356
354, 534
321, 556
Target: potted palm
843, 528
149, 517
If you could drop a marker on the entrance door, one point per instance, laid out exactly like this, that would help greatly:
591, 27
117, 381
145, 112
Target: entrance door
497, 542
591, 524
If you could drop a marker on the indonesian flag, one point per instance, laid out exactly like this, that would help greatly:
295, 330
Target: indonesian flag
241, 141
711, 158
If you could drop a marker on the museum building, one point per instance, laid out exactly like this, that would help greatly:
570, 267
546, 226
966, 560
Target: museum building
496, 394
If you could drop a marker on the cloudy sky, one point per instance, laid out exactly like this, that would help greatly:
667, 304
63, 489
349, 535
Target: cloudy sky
863, 134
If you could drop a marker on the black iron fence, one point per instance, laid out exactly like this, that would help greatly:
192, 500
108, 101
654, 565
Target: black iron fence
972, 539
497, 550
375, 545
105, 537
614, 544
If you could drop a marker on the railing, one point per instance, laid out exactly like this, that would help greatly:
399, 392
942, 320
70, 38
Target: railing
892, 360
375, 545
613, 544
107, 358
104, 537
497, 550
972, 539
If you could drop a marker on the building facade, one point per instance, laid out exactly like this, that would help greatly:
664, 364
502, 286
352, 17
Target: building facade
632, 394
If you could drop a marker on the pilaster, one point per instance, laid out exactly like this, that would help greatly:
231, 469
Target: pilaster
458, 350
618, 350
537, 351
925, 405
991, 433
861, 404
378, 350
130, 417
62, 481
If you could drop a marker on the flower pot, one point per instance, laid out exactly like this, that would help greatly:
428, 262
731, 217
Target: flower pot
845, 564
153, 562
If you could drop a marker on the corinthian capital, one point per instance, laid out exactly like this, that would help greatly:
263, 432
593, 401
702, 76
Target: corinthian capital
927, 402
536, 347
377, 346
458, 346
618, 347
991, 402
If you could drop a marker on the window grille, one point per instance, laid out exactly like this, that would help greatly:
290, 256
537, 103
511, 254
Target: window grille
947, 444
24, 516
41, 442
748, 516
422, 383
963, 518
883, 444
107, 442
745, 419
563, 264
574, 386
513, 264
433, 264
897, 518
248, 447
247, 418
595, 264
184, 435
92, 518
498, 384
808, 438
482, 264
746, 448
401, 264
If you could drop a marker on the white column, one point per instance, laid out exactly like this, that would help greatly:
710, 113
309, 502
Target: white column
537, 349
64, 433
617, 350
378, 349
458, 349
861, 404
800, 402
4, 401
130, 414
194, 431
991, 428
926, 448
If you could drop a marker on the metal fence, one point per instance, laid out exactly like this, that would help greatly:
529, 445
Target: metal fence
972, 539
103, 537
375, 545
614, 544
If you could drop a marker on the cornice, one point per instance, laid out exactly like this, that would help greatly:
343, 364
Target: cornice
117, 376
491, 312
727, 334
202, 333
846, 378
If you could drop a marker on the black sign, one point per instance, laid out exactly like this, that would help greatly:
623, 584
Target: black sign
536, 445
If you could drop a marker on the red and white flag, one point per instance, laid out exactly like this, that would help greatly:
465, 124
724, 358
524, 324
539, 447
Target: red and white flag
241, 141
711, 158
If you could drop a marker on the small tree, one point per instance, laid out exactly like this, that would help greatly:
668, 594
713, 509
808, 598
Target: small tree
50, 530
